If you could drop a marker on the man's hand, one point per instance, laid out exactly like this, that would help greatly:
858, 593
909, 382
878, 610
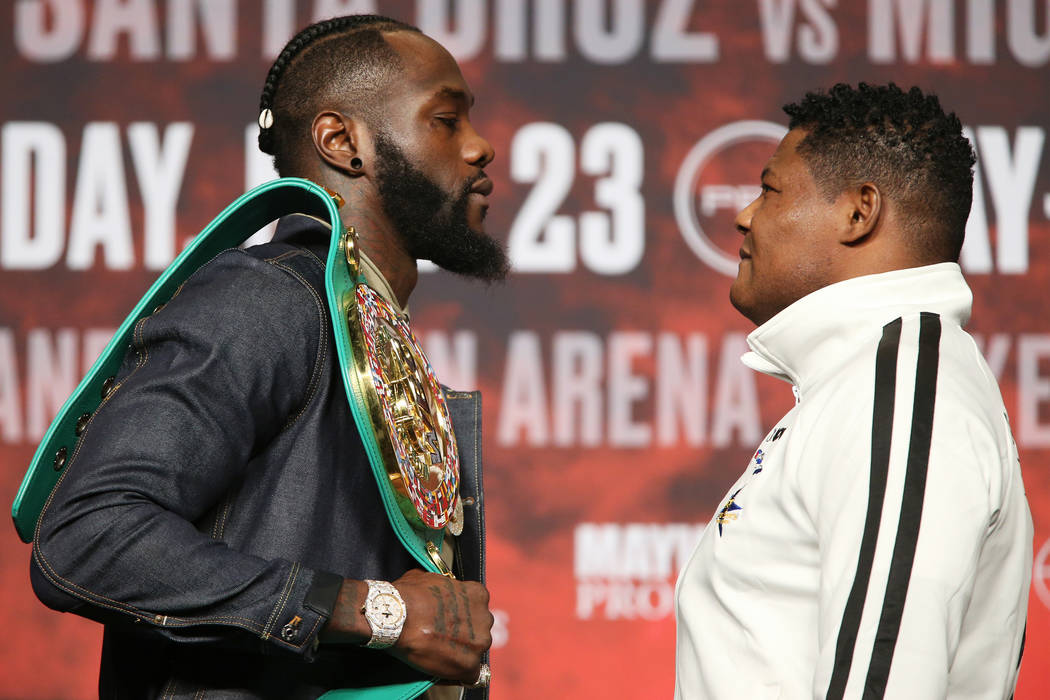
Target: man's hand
447, 629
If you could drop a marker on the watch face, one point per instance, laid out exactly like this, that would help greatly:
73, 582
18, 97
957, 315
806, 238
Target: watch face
387, 610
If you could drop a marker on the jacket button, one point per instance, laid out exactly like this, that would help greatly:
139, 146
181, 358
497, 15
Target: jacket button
60, 458
107, 387
290, 631
82, 423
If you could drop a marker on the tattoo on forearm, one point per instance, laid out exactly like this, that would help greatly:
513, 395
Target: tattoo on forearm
466, 607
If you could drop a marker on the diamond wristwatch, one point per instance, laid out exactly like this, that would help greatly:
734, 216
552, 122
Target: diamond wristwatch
385, 611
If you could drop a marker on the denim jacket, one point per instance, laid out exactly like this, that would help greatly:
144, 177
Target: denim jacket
221, 492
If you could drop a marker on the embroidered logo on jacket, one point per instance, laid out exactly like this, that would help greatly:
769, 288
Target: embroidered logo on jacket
727, 514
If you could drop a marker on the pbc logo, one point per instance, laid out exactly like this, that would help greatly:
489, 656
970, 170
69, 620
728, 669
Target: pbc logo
708, 193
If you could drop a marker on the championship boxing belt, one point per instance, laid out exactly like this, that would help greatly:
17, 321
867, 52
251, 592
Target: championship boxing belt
396, 402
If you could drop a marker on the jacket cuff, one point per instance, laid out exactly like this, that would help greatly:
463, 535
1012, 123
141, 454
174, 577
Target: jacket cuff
304, 610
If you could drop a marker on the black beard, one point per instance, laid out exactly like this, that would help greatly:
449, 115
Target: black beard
432, 223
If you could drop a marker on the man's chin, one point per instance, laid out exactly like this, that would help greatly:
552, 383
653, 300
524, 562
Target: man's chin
739, 301
476, 224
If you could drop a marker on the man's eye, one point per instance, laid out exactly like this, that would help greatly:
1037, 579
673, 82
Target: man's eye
767, 188
450, 122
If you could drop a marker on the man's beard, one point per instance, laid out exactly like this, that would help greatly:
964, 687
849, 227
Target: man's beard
432, 223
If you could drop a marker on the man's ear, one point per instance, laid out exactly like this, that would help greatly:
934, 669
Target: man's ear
865, 209
337, 139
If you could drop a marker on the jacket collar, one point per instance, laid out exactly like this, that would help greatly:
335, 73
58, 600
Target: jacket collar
312, 233
807, 336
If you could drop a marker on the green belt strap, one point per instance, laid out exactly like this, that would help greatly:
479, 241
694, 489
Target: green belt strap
249, 213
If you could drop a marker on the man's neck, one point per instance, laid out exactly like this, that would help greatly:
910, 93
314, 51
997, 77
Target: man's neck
378, 239
393, 262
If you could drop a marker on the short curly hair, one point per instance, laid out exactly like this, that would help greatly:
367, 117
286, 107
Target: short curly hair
901, 141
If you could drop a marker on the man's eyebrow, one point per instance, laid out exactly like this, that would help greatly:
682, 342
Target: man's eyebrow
456, 94
766, 171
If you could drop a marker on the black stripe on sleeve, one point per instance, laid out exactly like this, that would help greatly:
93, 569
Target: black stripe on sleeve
881, 431
911, 506
1024, 636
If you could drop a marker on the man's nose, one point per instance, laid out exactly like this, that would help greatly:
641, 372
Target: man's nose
743, 218
478, 151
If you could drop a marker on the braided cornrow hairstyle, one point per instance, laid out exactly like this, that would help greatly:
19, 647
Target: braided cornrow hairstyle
346, 64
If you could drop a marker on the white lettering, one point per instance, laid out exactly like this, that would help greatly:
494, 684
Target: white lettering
550, 30
100, 202
576, 387
509, 30
980, 31
597, 550
736, 400
646, 553
323, 9
94, 342
278, 23
463, 36
539, 240
609, 39
672, 41
159, 170
135, 18
1029, 48
681, 388
732, 197
33, 153
524, 396
602, 391
976, 254
454, 359
52, 376
643, 551
654, 601
613, 244
777, 20
29, 403
10, 398
626, 389
1033, 389
818, 39
1011, 181
626, 571
48, 30
217, 21
912, 17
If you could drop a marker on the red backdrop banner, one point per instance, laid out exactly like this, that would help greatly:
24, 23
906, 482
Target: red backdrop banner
627, 133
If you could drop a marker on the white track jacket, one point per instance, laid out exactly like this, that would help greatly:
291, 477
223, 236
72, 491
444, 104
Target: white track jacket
878, 544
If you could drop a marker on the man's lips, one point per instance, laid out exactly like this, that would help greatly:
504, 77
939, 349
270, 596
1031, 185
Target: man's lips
744, 255
482, 187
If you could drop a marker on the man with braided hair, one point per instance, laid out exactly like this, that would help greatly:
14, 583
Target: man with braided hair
220, 516
878, 543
